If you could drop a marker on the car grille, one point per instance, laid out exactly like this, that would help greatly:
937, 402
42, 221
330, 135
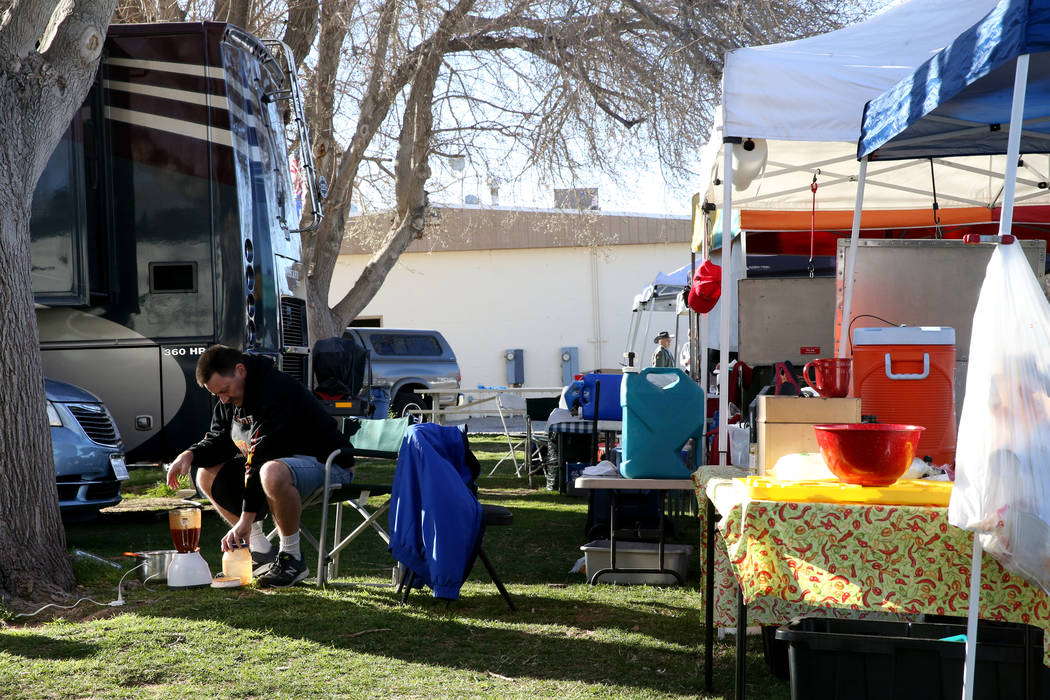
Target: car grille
293, 322
295, 365
95, 422
95, 491
105, 491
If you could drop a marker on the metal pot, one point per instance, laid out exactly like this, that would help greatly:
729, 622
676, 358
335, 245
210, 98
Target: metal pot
154, 564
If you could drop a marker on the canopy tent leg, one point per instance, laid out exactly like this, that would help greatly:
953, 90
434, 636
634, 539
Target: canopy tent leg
632, 336
700, 346
693, 322
1013, 148
704, 371
677, 333
851, 262
726, 301
971, 618
648, 328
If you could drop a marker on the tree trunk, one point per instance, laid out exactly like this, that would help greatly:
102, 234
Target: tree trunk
33, 562
301, 29
49, 59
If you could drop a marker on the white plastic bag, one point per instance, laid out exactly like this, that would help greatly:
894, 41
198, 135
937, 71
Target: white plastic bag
739, 445
1002, 464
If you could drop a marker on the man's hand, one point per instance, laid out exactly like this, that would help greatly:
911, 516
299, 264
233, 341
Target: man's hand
180, 466
238, 534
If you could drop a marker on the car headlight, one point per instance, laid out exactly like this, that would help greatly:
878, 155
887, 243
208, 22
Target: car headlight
53, 419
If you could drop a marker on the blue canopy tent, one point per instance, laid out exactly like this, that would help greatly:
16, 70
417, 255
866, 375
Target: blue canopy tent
958, 102
986, 93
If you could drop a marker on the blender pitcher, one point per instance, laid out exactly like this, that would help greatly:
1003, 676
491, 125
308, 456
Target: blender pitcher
185, 524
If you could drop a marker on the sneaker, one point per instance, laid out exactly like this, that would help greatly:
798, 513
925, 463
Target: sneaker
286, 571
261, 561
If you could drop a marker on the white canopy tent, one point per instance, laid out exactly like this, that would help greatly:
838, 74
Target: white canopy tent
664, 295
661, 295
806, 98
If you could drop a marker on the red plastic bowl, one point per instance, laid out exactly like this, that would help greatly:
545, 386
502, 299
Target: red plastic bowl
869, 454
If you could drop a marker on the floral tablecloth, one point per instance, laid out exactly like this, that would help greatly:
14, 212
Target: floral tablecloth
761, 609
855, 558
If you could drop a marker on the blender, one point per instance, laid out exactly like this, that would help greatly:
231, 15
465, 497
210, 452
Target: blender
187, 568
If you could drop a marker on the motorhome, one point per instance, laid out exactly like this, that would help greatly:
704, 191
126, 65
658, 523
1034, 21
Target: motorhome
167, 220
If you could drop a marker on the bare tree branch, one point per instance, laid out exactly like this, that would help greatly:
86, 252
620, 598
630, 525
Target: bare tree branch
25, 21
301, 28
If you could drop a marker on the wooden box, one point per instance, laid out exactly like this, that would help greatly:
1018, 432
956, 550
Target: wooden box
785, 424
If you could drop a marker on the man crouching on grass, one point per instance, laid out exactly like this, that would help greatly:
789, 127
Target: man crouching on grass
264, 453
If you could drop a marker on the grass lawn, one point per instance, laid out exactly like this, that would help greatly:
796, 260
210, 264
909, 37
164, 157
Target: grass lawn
567, 638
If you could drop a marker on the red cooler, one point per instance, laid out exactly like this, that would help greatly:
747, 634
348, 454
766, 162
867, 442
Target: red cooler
907, 375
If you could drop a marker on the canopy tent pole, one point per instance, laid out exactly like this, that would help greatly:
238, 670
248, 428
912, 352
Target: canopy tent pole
701, 349
632, 334
726, 302
677, 332
1006, 220
648, 322
851, 261
692, 333
700, 344
1013, 146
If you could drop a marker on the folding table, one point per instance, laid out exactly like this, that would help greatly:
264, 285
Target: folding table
617, 484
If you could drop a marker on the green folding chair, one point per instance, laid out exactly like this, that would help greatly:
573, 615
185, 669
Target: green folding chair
380, 438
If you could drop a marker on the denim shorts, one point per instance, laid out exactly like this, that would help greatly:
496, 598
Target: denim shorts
308, 474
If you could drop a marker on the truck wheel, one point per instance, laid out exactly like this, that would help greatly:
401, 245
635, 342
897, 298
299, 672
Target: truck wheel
406, 401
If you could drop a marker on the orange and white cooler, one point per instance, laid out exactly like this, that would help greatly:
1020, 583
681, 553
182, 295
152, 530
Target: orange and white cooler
906, 374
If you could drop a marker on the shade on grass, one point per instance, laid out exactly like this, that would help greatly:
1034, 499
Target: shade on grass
567, 639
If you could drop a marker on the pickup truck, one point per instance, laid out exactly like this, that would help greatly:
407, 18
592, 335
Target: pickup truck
403, 360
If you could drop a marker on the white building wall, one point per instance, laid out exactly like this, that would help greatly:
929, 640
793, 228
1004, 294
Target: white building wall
540, 300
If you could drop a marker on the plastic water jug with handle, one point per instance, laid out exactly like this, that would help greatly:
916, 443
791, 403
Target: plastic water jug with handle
662, 409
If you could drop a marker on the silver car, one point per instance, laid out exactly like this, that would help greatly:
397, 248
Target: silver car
88, 452
403, 360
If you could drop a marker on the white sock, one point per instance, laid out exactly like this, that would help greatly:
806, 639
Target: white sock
257, 541
290, 544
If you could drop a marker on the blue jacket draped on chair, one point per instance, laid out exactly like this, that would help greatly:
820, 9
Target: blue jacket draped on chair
435, 518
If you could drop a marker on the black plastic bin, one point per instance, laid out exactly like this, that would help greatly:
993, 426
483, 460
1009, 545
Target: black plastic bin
878, 660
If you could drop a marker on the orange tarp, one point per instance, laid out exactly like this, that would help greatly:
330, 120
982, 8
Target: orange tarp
769, 220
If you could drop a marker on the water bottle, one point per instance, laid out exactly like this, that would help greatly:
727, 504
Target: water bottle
238, 563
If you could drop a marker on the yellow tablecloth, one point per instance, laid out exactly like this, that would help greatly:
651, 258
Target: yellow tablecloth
895, 559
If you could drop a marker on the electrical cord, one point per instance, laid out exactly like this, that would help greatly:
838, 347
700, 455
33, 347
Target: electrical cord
111, 604
849, 329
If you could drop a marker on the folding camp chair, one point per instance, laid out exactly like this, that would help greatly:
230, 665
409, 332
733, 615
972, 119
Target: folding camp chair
537, 411
369, 438
438, 524
509, 405
530, 442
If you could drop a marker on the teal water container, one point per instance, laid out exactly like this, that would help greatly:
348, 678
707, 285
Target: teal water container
657, 421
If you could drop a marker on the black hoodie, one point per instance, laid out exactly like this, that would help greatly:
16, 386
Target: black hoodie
279, 418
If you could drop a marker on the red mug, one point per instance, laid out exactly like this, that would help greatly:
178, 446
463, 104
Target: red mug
831, 376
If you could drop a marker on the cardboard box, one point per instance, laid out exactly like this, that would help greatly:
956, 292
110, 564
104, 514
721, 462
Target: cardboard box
785, 424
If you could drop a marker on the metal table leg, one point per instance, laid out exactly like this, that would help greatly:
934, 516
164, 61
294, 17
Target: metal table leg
709, 595
563, 476
741, 644
661, 546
